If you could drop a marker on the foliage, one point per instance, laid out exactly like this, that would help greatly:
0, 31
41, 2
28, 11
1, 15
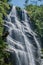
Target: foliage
36, 15
33, 1
3, 53
4, 7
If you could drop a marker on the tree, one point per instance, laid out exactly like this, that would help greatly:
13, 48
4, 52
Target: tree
36, 14
33, 1
4, 7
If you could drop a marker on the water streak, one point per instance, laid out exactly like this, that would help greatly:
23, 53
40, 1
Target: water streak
22, 41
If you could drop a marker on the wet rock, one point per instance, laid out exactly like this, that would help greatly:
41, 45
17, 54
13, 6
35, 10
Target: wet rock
5, 35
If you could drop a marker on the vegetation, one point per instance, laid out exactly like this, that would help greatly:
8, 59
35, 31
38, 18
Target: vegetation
4, 7
34, 1
36, 15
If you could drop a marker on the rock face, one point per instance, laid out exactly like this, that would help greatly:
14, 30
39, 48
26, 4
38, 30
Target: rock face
5, 35
22, 41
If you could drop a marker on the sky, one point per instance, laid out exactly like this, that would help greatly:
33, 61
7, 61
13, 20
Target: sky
21, 3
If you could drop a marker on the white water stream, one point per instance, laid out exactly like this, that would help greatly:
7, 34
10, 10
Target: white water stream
22, 41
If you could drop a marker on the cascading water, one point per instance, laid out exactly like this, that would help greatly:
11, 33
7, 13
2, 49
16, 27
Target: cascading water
22, 42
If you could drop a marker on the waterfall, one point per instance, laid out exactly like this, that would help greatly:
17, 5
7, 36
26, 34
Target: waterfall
22, 42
